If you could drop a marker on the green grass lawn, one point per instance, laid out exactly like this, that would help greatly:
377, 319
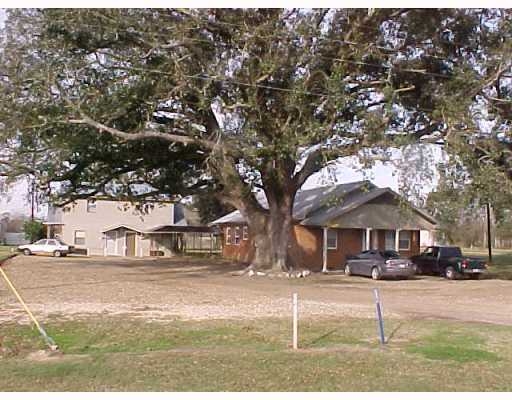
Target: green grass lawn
501, 266
115, 353
5, 251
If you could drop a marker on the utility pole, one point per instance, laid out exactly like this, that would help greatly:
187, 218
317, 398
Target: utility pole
489, 243
32, 199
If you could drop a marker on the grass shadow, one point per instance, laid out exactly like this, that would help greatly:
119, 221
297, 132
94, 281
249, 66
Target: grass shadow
393, 332
320, 338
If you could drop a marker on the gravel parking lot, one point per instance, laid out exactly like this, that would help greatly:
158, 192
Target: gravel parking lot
195, 289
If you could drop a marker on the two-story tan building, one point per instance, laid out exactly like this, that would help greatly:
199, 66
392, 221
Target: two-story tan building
122, 228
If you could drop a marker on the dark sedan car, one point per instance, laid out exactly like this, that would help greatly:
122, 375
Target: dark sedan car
378, 264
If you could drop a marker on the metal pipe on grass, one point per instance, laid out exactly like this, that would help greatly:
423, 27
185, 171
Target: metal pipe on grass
380, 318
49, 341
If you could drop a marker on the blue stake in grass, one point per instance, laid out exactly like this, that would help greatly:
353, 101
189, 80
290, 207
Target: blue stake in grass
380, 320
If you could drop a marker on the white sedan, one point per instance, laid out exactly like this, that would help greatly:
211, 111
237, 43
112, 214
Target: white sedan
46, 246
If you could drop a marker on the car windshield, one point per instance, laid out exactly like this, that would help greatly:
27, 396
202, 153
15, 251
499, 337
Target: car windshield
387, 254
450, 252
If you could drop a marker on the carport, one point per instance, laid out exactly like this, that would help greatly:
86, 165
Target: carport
176, 239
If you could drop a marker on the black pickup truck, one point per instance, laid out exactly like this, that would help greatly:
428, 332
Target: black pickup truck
449, 262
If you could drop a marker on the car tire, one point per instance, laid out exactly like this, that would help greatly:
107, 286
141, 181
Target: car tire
27, 252
375, 274
57, 253
348, 272
450, 273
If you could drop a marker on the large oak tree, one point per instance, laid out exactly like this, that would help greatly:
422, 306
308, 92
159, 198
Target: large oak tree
237, 101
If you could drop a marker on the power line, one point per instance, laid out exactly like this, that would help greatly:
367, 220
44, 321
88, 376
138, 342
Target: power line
367, 27
323, 39
348, 61
318, 94
345, 60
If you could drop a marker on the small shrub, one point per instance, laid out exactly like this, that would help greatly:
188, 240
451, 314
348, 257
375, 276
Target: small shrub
34, 230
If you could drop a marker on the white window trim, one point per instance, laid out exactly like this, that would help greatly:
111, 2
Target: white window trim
80, 237
228, 235
91, 206
336, 245
409, 240
236, 237
245, 233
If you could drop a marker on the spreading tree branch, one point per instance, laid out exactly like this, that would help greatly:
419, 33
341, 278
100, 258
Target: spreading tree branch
145, 134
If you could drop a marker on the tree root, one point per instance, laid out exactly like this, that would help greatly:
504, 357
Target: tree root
253, 270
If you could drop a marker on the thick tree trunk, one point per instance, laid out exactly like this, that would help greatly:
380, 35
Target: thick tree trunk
258, 229
271, 234
257, 221
280, 230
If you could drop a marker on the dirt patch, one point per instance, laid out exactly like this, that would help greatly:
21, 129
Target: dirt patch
197, 289
52, 356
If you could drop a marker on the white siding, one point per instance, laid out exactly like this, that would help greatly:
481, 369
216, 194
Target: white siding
109, 214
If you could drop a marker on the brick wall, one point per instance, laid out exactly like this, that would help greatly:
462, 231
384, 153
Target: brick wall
307, 243
242, 252
305, 247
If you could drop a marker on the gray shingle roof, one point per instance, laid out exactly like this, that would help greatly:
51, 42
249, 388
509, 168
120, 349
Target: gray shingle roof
306, 201
350, 202
320, 205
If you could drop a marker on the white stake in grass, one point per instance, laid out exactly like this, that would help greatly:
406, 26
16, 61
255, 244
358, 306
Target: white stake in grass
295, 307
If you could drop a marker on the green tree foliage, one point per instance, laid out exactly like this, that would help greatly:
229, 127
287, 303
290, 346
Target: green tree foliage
234, 101
210, 207
467, 185
34, 230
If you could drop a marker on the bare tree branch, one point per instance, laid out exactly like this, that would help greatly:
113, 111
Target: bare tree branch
146, 134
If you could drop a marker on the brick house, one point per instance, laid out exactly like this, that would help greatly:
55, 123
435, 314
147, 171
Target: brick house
333, 222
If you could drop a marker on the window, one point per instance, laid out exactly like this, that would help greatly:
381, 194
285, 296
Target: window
388, 254
91, 205
332, 239
237, 236
245, 233
228, 235
389, 242
404, 240
368, 254
42, 241
429, 252
79, 238
450, 252
146, 208
52, 242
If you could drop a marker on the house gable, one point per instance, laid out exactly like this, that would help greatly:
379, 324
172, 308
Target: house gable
379, 208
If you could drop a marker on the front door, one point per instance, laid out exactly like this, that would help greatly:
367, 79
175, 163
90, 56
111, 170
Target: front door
111, 243
389, 241
130, 244
374, 234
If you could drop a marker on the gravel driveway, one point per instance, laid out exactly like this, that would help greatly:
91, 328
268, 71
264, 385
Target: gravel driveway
162, 289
